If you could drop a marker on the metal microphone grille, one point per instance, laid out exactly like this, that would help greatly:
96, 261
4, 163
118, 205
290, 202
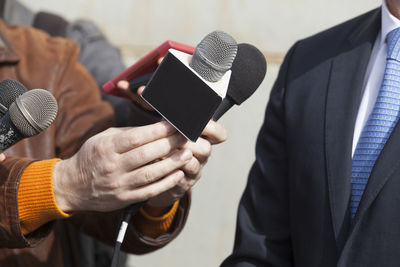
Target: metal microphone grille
33, 111
9, 91
214, 55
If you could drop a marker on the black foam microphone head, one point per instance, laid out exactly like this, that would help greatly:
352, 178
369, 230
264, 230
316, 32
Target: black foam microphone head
248, 71
33, 112
9, 91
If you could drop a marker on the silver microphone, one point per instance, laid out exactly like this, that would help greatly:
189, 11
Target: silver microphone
30, 114
214, 55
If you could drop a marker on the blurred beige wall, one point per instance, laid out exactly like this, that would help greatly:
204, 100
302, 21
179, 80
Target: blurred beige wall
273, 26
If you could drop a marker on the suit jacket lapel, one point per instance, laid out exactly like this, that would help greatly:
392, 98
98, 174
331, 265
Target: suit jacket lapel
343, 99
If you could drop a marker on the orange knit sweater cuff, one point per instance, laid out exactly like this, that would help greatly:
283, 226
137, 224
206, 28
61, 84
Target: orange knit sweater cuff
36, 201
155, 226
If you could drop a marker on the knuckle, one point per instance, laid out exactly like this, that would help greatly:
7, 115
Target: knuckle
146, 176
159, 130
100, 149
194, 170
155, 131
133, 139
206, 149
109, 167
142, 153
114, 184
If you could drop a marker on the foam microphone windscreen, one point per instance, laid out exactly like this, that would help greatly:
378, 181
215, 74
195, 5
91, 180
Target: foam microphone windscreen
9, 91
248, 71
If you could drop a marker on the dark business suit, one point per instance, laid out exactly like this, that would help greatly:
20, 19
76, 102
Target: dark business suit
294, 211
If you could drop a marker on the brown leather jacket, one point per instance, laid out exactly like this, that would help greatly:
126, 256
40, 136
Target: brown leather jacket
38, 61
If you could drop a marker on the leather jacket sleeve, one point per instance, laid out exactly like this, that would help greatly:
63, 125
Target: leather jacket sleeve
51, 63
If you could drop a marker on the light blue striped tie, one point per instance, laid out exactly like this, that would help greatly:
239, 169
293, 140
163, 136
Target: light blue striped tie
380, 124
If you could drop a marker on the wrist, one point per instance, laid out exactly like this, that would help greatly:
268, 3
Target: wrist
61, 177
156, 211
154, 226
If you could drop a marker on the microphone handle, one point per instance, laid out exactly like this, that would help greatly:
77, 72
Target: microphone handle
225, 105
9, 135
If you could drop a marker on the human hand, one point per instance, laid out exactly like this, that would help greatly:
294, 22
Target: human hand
214, 133
124, 88
123, 85
117, 168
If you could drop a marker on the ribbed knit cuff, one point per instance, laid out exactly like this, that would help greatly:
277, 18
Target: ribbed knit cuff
36, 201
155, 226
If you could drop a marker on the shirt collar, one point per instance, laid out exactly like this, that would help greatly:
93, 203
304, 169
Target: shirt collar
389, 22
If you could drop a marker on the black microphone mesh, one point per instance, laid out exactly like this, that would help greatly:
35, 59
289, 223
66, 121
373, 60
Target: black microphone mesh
9, 91
214, 55
36, 110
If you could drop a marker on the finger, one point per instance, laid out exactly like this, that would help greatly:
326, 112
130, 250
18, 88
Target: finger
130, 138
124, 85
154, 189
201, 149
143, 103
153, 172
192, 169
2, 157
140, 90
125, 89
159, 60
149, 152
214, 132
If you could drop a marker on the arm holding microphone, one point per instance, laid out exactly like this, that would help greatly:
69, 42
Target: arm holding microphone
192, 173
78, 173
248, 71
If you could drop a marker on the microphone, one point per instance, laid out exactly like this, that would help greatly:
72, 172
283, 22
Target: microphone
248, 71
214, 55
9, 91
206, 74
186, 90
30, 114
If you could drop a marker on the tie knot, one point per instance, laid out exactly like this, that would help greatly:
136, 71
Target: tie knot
392, 40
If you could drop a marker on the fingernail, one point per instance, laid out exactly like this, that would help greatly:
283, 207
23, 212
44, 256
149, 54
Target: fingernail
2, 156
123, 84
187, 155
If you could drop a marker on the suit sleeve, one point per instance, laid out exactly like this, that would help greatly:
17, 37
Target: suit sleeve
263, 225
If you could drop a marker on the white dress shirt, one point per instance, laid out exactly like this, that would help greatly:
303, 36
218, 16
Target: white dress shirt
375, 70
